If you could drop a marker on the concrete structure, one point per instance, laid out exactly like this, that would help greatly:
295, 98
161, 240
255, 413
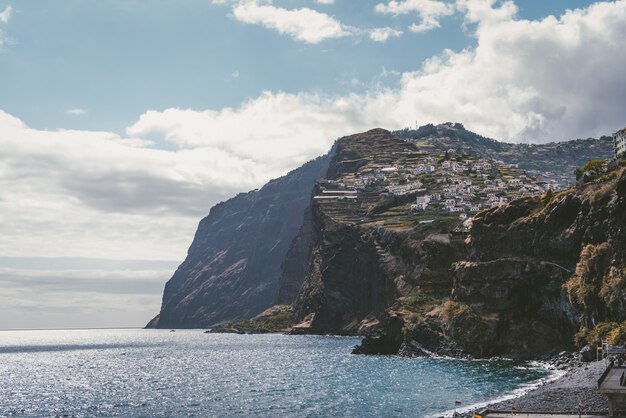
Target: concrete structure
496, 414
612, 383
619, 142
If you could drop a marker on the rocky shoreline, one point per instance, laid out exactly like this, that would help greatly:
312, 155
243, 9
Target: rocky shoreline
578, 384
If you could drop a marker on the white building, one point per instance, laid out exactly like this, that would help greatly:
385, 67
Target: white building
402, 189
619, 142
421, 203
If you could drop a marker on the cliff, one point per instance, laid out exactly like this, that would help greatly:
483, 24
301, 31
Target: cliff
233, 267
541, 273
538, 276
331, 241
362, 260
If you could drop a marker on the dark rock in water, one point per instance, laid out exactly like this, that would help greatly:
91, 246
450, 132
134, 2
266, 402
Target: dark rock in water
414, 349
385, 339
224, 331
379, 344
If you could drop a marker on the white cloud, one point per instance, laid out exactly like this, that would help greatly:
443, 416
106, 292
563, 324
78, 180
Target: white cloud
76, 112
529, 80
5, 15
430, 11
98, 298
549, 79
428, 23
304, 24
328, 2
96, 194
383, 34
484, 12
429, 7
81, 193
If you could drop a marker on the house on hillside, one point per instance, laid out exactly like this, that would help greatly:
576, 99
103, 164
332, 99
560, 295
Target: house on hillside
421, 203
619, 142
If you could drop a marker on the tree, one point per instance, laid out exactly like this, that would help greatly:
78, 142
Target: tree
590, 171
547, 197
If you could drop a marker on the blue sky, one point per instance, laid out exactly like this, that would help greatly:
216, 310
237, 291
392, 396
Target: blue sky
122, 122
117, 59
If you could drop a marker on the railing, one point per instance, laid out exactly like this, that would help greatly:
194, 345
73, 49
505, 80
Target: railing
605, 374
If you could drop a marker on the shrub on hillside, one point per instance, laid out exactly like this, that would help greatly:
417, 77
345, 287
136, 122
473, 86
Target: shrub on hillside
468, 329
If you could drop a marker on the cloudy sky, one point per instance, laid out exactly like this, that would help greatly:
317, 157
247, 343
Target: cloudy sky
123, 121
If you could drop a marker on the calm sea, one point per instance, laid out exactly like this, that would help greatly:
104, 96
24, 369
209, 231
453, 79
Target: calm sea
156, 373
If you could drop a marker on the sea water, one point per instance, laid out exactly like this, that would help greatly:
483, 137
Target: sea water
157, 373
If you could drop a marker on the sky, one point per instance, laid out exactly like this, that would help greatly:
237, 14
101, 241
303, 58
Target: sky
122, 122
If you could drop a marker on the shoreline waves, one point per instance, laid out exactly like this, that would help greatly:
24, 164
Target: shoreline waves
561, 392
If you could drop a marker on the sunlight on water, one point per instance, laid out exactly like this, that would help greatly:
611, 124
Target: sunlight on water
158, 373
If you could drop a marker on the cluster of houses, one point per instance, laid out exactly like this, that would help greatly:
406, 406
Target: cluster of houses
441, 186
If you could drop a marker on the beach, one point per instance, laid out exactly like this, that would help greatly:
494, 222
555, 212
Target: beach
577, 384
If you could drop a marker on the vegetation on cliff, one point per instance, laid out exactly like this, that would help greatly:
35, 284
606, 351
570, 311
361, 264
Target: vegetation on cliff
278, 318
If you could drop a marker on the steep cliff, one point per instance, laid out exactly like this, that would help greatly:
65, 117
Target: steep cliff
233, 266
360, 260
542, 272
538, 276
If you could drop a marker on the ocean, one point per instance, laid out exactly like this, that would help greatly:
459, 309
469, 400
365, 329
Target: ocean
187, 373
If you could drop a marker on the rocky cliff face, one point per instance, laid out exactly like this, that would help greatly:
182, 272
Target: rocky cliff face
359, 265
233, 267
536, 277
542, 272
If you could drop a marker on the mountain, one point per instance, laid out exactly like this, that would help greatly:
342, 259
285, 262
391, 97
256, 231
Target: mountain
233, 266
339, 241
553, 159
